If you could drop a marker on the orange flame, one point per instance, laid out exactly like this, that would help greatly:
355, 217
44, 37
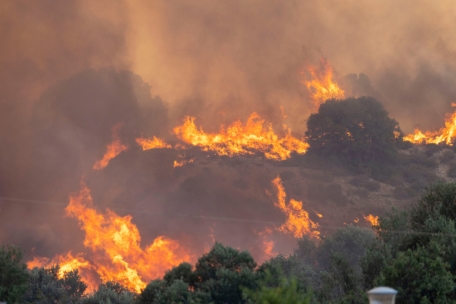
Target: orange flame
268, 243
298, 222
322, 87
182, 162
239, 139
112, 150
446, 134
68, 263
114, 244
372, 219
154, 143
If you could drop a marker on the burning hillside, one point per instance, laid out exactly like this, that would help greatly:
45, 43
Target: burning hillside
113, 251
193, 123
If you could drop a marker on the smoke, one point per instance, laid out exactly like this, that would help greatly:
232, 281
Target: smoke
70, 72
250, 53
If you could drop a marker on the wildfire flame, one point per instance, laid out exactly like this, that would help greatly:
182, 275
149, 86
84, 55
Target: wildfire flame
372, 219
182, 162
112, 150
114, 247
268, 243
445, 135
298, 222
322, 87
239, 139
154, 143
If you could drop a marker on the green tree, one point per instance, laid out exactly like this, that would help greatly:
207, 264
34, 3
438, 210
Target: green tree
287, 292
420, 276
414, 252
110, 293
223, 271
14, 277
357, 130
47, 287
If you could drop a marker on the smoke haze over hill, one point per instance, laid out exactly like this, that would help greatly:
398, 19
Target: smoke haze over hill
70, 72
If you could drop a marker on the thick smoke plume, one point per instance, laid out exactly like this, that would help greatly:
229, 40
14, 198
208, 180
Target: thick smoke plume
71, 71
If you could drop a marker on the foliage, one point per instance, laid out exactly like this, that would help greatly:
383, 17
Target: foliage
47, 287
414, 252
110, 293
218, 277
287, 292
420, 276
355, 130
13, 274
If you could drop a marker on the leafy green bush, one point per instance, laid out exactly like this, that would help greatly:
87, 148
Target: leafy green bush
110, 292
13, 274
47, 287
287, 292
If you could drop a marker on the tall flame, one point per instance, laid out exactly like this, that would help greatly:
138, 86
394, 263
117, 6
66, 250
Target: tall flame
114, 247
239, 139
298, 222
445, 135
113, 149
154, 143
372, 219
322, 87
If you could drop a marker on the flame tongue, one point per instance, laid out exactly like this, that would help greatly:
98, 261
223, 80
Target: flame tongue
298, 222
114, 243
445, 135
112, 150
154, 143
322, 86
239, 139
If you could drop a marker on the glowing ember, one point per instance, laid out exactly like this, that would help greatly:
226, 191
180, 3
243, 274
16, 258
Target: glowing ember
182, 162
372, 219
322, 87
112, 150
154, 143
239, 139
114, 247
298, 222
445, 135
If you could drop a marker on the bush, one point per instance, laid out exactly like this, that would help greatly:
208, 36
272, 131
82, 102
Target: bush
110, 292
47, 287
355, 130
13, 274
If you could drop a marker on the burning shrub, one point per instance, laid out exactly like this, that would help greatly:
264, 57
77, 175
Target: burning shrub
46, 286
355, 130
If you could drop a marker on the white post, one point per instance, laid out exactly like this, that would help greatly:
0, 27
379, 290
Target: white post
382, 295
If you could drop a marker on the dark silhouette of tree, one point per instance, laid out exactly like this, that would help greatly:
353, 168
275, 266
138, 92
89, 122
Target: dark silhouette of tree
14, 277
355, 130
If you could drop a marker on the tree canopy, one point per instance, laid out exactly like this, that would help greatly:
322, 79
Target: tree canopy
14, 277
357, 130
